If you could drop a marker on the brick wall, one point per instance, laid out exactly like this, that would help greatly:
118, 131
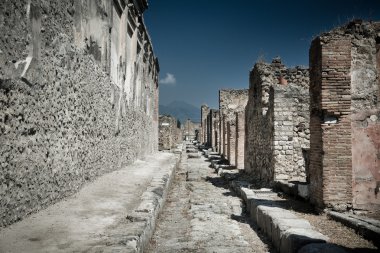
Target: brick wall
330, 156
345, 114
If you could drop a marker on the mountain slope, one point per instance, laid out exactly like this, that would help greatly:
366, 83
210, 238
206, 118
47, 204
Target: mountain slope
181, 110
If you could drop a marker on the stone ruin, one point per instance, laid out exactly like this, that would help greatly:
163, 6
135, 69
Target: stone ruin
277, 123
78, 95
230, 102
205, 110
169, 132
320, 125
345, 117
191, 130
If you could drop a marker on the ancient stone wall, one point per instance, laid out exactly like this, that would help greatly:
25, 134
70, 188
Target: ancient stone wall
230, 101
240, 140
205, 110
345, 118
231, 142
277, 123
70, 109
191, 130
215, 129
170, 133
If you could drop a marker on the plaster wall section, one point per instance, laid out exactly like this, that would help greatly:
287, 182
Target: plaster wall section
61, 117
365, 107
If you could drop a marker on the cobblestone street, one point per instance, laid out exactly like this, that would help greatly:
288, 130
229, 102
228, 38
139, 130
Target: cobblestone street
203, 215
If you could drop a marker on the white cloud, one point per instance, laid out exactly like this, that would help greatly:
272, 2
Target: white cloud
169, 79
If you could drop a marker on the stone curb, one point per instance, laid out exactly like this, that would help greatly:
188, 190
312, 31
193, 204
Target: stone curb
288, 233
142, 220
369, 228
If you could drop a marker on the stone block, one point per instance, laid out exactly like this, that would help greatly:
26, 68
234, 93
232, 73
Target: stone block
194, 155
321, 248
281, 224
294, 239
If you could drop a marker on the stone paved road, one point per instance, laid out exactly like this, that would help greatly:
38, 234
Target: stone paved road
203, 215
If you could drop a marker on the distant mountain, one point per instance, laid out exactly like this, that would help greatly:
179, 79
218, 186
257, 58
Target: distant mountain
181, 110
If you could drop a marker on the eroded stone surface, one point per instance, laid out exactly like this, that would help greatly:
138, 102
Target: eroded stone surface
203, 215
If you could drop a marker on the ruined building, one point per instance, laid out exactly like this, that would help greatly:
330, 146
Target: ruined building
169, 133
212, 125
240, 140
345, 117
205, 110
191, 130
230, 102
277, 123
78, 95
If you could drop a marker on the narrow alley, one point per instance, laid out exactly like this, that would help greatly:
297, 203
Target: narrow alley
202, 214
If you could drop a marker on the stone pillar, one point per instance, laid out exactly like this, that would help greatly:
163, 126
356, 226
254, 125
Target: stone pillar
231, 142
214, 129
330, 126
204, 113
240, 139
221, 133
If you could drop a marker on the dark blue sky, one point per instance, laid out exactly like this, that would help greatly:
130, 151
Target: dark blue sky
206, 45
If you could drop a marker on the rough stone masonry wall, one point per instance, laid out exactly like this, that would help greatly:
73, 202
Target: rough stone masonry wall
230, 101
205, 110
240, 140
277, 123
59, 107
259, 127
345, 140
191, 130
215, 130
169, 132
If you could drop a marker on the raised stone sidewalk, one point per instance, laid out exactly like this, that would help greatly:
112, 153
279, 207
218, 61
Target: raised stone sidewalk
115, 213
289, 233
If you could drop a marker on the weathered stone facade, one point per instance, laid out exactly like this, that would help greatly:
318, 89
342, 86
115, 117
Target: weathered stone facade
78, 95
345, 117
169, 133
277, 123
191, 130
240, 140
205, 110
215, 129
230, 102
